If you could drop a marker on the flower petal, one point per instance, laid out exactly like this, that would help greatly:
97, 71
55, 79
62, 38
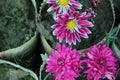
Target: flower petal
53, 7
76, 4
62, 35
55, 26
51, 1
83, 33
86, 23
87, 30
61, 19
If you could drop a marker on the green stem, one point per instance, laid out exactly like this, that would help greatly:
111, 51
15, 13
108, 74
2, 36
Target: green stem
40, 71
47, 76
117, 30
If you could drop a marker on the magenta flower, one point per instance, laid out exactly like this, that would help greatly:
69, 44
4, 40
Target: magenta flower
89, 14
101, 63
62, 6
71, 26
64, 63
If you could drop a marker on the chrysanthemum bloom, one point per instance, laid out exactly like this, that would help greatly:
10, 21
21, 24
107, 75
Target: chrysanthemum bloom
101, 63
71, 26
89, 14
62, 6
64, 63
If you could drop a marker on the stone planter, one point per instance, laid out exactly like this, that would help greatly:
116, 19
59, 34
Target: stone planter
17, 27
104, 21
11, 71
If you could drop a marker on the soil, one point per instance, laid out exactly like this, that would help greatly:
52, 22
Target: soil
16, 23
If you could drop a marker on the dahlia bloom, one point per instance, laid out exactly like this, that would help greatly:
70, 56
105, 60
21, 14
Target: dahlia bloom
64, 63
101, 63
62, 6
71, 26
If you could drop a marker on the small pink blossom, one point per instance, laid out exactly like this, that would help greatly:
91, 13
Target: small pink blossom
101, 63
89, 14
64, 63
71, 26
62, 6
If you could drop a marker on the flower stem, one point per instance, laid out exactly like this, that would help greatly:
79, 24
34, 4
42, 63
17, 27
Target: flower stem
47, 76
118, 30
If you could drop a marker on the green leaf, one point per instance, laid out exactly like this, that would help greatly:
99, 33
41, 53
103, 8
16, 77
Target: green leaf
44, 59
111, 36
117, 51
118, 75
47, 76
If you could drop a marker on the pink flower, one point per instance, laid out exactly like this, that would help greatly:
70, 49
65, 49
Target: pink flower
101, 63
89, 14
62, 6
64, 63
71, 26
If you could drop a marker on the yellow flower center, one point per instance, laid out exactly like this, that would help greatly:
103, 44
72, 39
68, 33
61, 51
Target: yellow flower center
63, 2
71, 24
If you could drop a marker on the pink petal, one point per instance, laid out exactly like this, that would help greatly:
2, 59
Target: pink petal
53, 7
62, 35
97, 77
87, 30
85, 23
55, 32
60, 28
74, 38
89, 55
51, 1
55, 26
70, 39
83, 33
66, 15
76, 14
61, 20
57, 11
58, 46
94, 50
76, 4
109, 76
67, 36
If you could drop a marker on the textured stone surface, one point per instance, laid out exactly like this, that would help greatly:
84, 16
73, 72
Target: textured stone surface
16, 22
9, 72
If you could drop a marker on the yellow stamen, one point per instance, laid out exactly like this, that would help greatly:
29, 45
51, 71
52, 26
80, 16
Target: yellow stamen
63, 2
71, 24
